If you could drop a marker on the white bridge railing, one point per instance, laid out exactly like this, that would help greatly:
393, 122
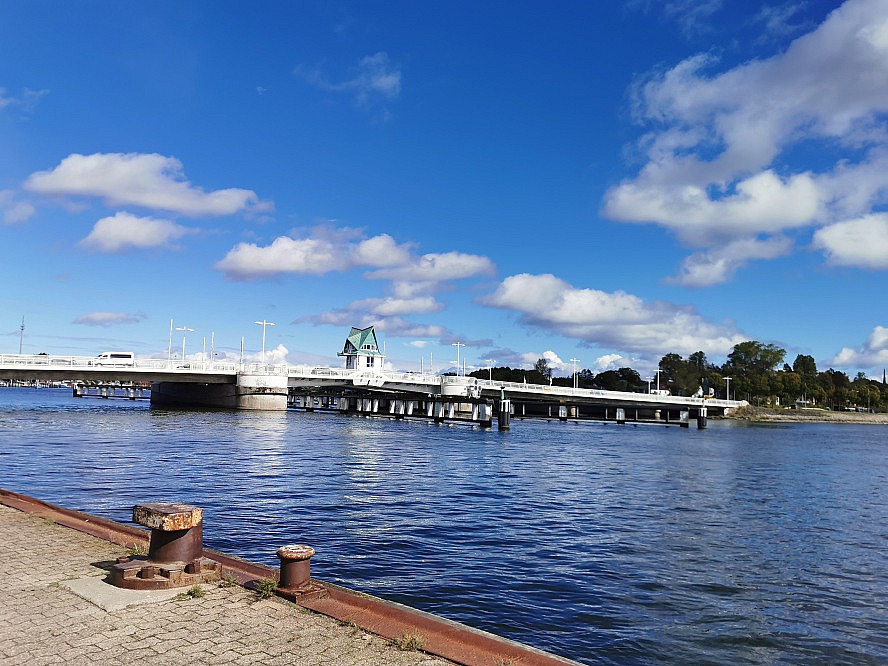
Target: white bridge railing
56, 362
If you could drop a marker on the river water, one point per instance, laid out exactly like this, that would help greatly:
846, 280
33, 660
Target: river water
740, 544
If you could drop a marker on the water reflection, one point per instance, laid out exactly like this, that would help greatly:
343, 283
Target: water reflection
608, 544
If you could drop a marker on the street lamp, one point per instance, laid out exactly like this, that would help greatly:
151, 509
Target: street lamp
658, 380
184, 330
490, 362
649, 380
575, 361
457, 344
727, 388
263, 324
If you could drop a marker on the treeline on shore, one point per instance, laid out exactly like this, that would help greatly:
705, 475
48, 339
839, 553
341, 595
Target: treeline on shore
754, 371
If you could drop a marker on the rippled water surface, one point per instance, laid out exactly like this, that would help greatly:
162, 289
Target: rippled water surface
607, 544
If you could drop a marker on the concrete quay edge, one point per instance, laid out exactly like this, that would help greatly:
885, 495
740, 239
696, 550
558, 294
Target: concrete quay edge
440, 637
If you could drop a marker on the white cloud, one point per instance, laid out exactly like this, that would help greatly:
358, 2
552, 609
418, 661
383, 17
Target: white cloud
26, 101
277, 355
14, 211
618, 320
529, 359
609, 362
327, 250
719, 150
389, 306
109, 318
124, 231
763, 203
437, 268
381, 250
719, 264
247, 261
862, 242
374, 81
872, 355
150, 181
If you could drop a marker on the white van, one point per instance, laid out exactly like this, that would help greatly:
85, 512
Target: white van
115, 358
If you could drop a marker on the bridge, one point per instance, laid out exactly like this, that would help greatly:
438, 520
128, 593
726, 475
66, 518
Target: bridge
363, 390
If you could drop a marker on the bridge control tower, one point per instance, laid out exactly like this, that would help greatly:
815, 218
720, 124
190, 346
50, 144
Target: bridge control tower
361, 350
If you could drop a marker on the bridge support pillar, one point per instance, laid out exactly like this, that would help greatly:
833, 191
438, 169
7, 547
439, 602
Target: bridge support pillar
621, 416
259, 392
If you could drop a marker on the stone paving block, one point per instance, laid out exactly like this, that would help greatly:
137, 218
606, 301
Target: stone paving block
41, 622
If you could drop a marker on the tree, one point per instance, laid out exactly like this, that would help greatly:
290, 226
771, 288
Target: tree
755, 358
751, 364
542, 367
624, 379
698, 360
805, 366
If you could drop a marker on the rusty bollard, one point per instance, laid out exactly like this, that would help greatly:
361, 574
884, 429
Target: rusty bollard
175, 551
295, 566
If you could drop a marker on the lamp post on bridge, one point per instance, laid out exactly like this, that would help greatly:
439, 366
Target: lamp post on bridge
727, 388
490, 362
263, 324
184, 330
457, 344
575, 361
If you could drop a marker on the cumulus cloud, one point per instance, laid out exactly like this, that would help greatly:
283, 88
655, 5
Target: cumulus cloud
617, 320
109, 318
325, 251
386, 307
149, 181
719, 264
872, 354
13, 210
610, 362
373, 83
528, 359
719, 150
433, 268
124, 231
861, 242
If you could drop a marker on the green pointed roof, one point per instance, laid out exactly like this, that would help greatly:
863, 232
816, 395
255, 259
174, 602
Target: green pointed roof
361, 341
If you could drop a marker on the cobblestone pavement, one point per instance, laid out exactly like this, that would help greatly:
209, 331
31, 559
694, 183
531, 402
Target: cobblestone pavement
42, 622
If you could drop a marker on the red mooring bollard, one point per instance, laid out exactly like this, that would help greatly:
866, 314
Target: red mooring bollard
295, 566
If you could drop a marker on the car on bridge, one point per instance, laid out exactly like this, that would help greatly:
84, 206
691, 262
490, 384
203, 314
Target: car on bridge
115, 359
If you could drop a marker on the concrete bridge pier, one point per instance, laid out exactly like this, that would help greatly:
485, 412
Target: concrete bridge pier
257, 392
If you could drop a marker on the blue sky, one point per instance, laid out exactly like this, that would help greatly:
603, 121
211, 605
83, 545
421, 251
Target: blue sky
608, 182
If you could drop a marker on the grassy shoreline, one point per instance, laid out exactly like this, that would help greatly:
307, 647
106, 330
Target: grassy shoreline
766, 414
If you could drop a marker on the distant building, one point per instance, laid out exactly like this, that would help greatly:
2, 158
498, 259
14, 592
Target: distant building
361, 350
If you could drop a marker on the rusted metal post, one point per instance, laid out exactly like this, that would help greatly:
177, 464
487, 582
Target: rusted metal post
175, 550
295, 566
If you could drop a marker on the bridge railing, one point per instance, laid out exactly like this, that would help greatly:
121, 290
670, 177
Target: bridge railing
56, 362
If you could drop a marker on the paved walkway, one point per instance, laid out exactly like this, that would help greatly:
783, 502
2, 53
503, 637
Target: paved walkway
43, 622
